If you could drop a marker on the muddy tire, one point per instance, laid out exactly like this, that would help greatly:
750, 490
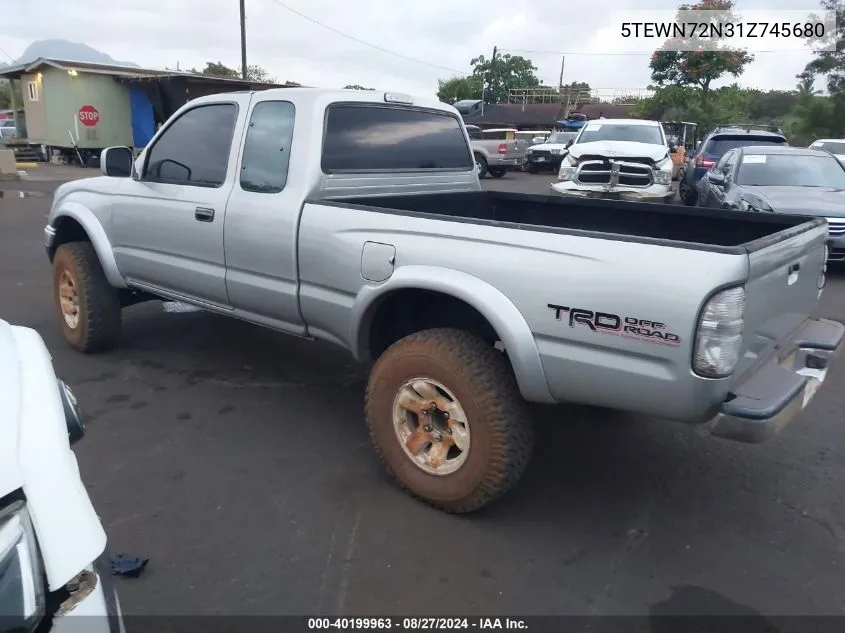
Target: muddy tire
88, 307
455, 465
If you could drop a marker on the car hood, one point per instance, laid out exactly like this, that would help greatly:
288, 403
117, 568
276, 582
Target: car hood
35, 457
619, 149
548, 146
818, 201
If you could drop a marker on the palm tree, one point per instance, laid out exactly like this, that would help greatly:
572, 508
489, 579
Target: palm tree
805, 87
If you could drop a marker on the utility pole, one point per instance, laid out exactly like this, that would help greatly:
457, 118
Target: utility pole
560, 82
493, 66
243, 39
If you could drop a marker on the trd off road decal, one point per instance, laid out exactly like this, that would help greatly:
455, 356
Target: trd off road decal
608, 323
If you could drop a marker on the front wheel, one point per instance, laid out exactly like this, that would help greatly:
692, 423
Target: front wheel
533, 169
446, 417
88, 307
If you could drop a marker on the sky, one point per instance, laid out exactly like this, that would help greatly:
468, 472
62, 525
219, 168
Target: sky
407, 46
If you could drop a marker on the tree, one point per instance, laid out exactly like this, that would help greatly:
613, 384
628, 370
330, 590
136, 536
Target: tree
6, 88
502, 73
458, 89
356, 87
218, 69
254, 72
699, 62
830, 63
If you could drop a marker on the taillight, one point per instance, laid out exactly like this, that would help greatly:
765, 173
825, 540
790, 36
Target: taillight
503, 149
704, 162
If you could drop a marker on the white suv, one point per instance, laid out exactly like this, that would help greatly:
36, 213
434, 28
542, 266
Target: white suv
628, 159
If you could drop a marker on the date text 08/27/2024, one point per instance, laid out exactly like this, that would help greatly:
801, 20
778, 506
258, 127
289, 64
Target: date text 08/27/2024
415, 624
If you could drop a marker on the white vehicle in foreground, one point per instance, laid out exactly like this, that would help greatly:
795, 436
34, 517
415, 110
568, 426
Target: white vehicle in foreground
52, 560
627, 159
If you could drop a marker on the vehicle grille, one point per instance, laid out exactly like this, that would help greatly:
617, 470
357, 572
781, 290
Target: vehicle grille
836, 227
600, 172
538, 153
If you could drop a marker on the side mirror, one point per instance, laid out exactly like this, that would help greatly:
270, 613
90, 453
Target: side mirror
673, 149
716, 178
569, 143
117, 162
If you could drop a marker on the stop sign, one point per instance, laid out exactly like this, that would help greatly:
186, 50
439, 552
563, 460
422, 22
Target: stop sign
89, 116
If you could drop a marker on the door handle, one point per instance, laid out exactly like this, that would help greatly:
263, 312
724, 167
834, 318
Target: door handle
204, 214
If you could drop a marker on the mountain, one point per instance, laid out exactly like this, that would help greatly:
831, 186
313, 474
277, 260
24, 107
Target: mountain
64, 49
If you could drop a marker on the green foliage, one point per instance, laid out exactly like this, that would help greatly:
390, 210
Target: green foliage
254, 72
6, 88
701, 62
492, 77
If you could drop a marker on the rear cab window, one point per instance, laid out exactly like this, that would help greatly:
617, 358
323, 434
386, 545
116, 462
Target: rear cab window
362, 137
721, 144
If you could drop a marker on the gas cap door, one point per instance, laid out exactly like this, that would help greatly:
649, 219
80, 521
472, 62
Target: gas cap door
377, 261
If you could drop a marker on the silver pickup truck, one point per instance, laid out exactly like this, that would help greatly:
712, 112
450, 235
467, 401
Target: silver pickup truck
497, 152
357, 218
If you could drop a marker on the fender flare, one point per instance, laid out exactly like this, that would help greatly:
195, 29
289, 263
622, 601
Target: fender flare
500, 311
99, 240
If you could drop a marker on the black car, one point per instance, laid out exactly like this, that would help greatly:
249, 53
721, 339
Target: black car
713, 147
775, 179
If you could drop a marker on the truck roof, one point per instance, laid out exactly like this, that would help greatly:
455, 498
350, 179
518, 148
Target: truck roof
624, 122
334, 95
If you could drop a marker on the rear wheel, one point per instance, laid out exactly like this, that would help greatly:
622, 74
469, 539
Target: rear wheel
498, 172
480, 165
89, 308
446, 417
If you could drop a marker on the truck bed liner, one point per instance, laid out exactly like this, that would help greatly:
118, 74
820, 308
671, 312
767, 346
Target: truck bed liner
709, 229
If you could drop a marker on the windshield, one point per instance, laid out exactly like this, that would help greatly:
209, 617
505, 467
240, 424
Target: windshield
561, 138
636, 133
773, 170
829, 146
718, 146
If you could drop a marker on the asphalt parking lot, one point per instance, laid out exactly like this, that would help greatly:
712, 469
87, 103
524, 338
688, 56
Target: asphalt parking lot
237, 460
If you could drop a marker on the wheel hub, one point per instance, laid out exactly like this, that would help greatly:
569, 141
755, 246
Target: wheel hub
69, 299
431, 426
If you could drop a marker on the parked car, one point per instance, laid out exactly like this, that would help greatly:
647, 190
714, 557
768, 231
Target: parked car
52, 544
548, 154
8, 129
713, 147
781, 180
496, 151
369, 229
835, 146
628, 159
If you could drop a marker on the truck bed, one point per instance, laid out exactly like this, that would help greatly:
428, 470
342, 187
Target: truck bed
692, 227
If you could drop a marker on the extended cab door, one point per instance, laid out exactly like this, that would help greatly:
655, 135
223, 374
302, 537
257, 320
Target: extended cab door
262, 216
167, 225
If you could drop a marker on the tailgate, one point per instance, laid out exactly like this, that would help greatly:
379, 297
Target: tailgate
513, 149
782, 288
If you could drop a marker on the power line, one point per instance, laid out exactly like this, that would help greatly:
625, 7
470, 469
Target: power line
594, 54
7, 55
365, 43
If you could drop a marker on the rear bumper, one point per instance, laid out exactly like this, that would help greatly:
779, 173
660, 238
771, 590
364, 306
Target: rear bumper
507, 163
779, 390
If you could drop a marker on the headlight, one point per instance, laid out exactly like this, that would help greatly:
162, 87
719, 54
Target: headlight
567, 168
73, 418
718, 340
663, 172
21, 576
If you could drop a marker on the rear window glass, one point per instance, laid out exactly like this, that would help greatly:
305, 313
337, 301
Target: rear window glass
365, 138
718, 146
829, 146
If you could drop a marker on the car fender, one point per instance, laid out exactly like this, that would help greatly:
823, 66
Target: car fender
96, 233
70, 535
500, 311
